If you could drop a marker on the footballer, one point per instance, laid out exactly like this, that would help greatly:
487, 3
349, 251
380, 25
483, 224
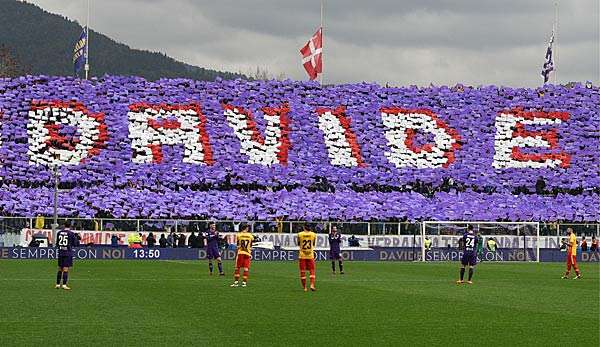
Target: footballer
306, 256
65, 241
244, 255
469, 257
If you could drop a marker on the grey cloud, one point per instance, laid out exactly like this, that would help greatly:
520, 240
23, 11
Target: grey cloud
401, 42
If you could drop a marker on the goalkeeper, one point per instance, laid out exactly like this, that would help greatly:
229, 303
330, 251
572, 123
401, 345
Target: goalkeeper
479, 245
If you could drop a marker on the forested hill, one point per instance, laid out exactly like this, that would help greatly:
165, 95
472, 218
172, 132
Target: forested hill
42, 43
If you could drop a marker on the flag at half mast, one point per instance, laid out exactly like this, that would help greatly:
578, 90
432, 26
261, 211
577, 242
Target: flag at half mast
548, 66
79, 51
312, 55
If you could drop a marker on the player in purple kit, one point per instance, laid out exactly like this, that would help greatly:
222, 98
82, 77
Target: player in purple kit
469, 257
335, 239
212, 248
65, 241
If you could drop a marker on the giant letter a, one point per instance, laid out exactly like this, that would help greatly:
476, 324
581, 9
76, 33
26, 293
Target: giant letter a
154, 126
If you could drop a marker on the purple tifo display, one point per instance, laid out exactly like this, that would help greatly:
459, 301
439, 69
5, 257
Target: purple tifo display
178, 148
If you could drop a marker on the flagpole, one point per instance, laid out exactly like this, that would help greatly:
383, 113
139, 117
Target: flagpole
87, 42
555, 40
322, 44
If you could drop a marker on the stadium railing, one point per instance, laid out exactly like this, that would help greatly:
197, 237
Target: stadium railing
520, 241
10, 224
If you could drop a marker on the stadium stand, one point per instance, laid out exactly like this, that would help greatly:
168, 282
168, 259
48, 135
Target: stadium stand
262, 150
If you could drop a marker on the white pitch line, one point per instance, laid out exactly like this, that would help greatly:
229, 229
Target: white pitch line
109, 279
183, 262
328, 280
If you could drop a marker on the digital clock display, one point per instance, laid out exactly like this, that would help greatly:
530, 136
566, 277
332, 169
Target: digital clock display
146, 253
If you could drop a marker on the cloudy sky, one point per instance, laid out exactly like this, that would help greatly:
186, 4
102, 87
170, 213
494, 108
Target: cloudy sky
397, 41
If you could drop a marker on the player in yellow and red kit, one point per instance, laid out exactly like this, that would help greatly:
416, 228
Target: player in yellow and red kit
244, 254
572, 255
306, 256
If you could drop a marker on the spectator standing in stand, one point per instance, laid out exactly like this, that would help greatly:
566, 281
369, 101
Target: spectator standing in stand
151, 240
162, 241
181, 239
192, 241
584, 246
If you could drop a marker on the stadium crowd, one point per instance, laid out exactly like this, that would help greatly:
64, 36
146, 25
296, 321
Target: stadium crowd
286, 162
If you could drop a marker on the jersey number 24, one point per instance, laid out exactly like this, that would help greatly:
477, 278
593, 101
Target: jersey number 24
469, 242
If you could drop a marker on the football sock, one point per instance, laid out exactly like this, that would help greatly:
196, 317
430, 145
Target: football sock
341, 266
462, 273
220, 265
303, 280
333, 265
236, 275
65, 277
470, 273
210, 266
245, 276
312, 278
58, 277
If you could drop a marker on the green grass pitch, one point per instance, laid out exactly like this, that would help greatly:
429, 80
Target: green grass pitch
147, 303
